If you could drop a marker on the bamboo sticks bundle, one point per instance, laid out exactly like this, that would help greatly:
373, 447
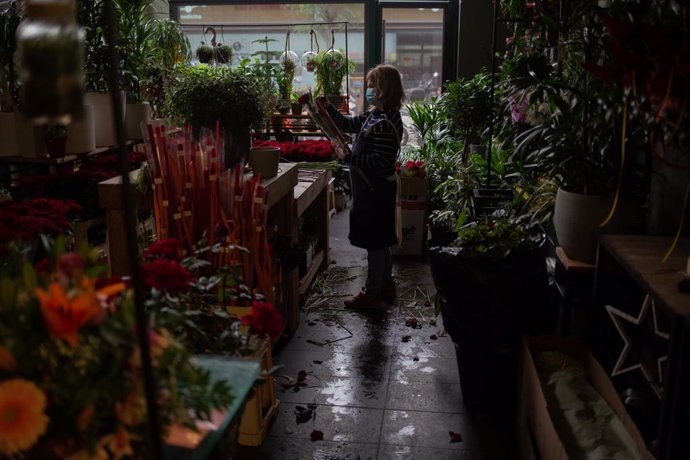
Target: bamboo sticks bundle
199, 202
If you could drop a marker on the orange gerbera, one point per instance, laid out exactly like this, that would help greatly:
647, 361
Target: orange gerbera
7, 361
22, 416
64, 315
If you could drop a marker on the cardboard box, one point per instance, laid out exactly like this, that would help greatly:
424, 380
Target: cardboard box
533, 412
413, 195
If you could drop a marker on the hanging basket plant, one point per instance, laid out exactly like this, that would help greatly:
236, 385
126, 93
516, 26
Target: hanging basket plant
204, 53
223, 54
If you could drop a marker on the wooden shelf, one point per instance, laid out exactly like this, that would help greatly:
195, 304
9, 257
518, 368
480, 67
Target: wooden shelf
641, 255
305, 282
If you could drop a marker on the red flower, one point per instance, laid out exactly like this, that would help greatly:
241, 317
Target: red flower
43, 267
166, 275
71, 265
264, 318
166, 249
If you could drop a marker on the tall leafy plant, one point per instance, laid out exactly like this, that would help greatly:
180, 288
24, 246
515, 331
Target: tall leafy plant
331, 68
91, 16
9, 21
468, 107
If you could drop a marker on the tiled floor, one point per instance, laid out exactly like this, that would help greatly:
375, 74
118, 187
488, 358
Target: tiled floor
378, 394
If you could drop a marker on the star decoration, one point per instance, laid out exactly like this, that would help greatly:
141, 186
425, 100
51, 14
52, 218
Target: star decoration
622, 363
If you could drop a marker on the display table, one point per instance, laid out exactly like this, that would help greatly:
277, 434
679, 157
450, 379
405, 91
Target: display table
643, 333
278, 201
240, 374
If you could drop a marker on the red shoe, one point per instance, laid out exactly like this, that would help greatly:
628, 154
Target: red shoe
363, 301
388, 291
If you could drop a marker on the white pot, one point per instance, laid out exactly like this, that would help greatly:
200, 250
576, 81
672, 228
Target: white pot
576, 219
29, 137
135, 115
8, 135
103, 114
81, 134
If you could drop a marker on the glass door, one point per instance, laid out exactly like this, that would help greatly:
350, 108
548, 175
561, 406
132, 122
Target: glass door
413, 41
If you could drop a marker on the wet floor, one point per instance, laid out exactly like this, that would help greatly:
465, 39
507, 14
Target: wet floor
379, 385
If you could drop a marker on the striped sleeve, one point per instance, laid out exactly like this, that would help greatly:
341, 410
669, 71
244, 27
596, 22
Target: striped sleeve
381, 148
346, 124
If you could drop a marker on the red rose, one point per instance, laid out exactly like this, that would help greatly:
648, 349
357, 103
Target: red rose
264, 318
166, 249
166, 275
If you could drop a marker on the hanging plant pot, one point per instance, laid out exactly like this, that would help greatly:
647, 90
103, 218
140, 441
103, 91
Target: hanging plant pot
204, 53
223, 54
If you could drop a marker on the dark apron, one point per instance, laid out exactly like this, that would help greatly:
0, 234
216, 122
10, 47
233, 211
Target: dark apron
372, 217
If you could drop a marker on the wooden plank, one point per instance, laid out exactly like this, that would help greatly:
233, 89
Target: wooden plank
641, 256
316, 263
309, 187
279, 186
572, 265
110, 191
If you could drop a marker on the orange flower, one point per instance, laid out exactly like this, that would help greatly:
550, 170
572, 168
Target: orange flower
132, 410
7, 361
22, 416
64, 315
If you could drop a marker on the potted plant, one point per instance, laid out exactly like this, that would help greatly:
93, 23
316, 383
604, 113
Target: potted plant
285, 78
9, 91
331, 68
295, 106
223, 54
202, 95
91, 17
55, 138
167, 47
204, 53
469, 108
492, 287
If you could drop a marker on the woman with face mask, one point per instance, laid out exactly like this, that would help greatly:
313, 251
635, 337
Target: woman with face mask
372, 173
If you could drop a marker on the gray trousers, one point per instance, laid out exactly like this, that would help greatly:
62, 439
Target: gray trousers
380, 269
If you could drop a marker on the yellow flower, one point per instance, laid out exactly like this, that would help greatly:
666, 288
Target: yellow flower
7, 361
132, 410
118, 444
22, 416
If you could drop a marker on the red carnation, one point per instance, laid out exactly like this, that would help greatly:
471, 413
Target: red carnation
166, 275
264, 318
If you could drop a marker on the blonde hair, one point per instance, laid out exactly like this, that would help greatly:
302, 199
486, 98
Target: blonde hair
388, 84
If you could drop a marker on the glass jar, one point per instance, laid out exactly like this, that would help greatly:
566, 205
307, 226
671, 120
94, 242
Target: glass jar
51, 48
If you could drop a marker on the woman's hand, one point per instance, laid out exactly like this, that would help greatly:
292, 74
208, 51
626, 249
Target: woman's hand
339, 152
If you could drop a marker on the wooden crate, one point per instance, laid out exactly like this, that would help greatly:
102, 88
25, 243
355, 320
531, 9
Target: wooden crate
262, 406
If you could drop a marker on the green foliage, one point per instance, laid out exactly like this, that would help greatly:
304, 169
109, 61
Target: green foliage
285, 78
91, 16
200, 95
468, 107
498, 236
331, 67
204, 53
9, 21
